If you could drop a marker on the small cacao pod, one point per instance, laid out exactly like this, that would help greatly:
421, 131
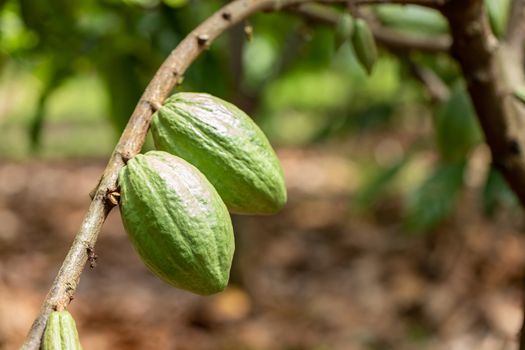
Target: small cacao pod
344, 29
177, 222
61, 332
227, 146
364, 45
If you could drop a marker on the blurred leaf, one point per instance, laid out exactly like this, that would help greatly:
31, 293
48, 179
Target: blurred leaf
435, 198
259, 59
14, 36
498, 11
376, 186
175, 3
373, 116
456, 126
520, 95
496, 192
124, 87
56, 77
412, 18
53, 21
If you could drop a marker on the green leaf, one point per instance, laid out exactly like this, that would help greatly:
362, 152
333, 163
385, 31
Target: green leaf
496, 192
435, 198
456, 126
376, 186
123, 85
57, 75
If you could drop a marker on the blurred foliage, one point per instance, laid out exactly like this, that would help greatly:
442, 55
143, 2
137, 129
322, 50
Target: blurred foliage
71, 74
456, 127
496, 192
432, 201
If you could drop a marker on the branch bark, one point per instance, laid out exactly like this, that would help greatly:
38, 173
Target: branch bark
515, 33
133, 136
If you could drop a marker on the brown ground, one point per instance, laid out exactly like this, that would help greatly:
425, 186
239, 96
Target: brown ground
316, 276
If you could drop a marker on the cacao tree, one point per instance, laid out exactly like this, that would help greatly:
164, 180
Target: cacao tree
476, 96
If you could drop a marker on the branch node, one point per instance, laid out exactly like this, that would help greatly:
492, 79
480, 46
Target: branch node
93, 192
155, 106
113, 196
514, 147
202, 39
124, 156
92, 258
227, 16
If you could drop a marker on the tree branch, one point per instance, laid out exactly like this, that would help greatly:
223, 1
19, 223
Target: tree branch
515, 33
132, 139
390, 39
434, 86
492, 73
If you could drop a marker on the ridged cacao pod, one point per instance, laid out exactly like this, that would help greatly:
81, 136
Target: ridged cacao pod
177, 222
227, 146
364, 45
61, 332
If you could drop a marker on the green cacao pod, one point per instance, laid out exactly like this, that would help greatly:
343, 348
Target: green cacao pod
61, 332
227, 146
364, 45
344, 29
177, 222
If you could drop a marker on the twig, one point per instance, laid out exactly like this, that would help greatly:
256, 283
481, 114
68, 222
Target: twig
132, 139
435, 87
386, 37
